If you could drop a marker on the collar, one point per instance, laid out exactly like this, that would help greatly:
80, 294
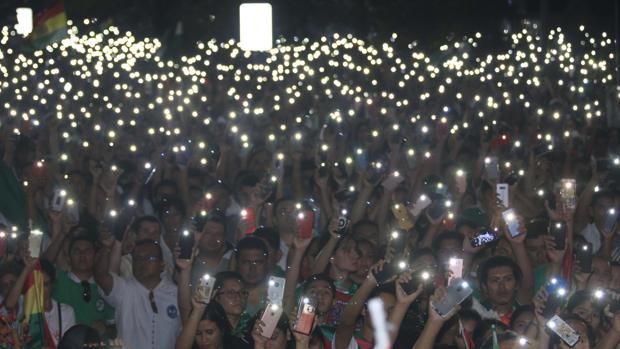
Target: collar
77, 280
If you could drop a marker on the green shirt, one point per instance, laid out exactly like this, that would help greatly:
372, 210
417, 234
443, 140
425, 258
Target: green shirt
68, 290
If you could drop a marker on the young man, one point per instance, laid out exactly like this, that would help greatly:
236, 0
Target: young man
78, 289
285, 222
252, 263
147, 314
214, 253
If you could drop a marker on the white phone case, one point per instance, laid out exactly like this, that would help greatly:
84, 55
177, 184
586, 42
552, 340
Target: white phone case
563, 330
275, 291
502, 194
270, 318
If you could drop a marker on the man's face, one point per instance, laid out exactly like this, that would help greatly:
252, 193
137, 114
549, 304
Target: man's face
346, 257
501, 286
322, 293
172, 219
536, 250
148, 231
212, 237
146, 261
284, 219
252, 265
82, 256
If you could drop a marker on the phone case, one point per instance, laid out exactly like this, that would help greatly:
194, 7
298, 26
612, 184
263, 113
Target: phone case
343, 225
563, 330
34, 243
611, 217
275, 291
305, 316
492, 168
502, 194
421, 203
567, 193
186, 243
401, 214
558, 232
58, 200
305, 222
419, 277
398, 241
205, 287
511, 221
385, 274
584, 257
248, 215
485, 237
392, 181
270, 318
455, 265
458, 291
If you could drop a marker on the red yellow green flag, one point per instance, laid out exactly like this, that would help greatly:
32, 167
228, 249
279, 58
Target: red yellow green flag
50, 26
34, 311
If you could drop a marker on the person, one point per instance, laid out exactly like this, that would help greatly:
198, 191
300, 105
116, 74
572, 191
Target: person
206, 327
78, 289
601, 202
80, 336
147, 315
252, 263
284, 222
214, 252
59, 317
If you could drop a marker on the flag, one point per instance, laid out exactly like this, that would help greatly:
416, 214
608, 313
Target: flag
49, 26
34, 311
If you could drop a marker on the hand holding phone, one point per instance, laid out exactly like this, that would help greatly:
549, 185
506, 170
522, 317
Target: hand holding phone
305, 222
512, 222
502, 194
557, 291
484, 237
424, 277
491, 168
457, 292
271, 316
306, 313
186, 244
558, 231
34, 243
611, 218
563, 330
205, 288
58, 200
583, 254
275, 289
248, 220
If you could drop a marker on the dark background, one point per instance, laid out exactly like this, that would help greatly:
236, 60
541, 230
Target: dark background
428, 22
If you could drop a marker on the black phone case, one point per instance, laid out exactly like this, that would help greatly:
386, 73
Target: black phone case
584, 258
559, 236
385, 274
186, 243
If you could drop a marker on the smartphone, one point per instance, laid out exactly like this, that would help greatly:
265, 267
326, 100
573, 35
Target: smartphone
541, 150
421, 203
361, 159
376, 170
486, 236
34, 243
401, 214
305, 316
563, 330
611, 217
547, 195
567, 193
398, 241
305, 223
583, 254
186, 244
461, 181
58, 200
458, 291
392, 181
557, 230
512, 178
275, 290
387, 273
491, 167
270, 318
455, 266
437, 208
511, 221
205, 288
248, 217
502, 194
418, 277
343, 223
557, 292
603, 165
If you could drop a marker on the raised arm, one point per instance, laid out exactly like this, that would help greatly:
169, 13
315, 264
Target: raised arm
322, 259
12, 300
433, 325
188, 333
295, 258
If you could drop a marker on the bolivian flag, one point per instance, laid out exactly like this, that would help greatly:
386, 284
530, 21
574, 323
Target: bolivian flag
49, 26
34, 312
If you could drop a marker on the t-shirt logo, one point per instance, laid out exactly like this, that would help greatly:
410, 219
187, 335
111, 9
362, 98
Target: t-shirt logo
172, 311
100, 304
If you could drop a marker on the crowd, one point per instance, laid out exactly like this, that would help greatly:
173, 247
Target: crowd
237, 200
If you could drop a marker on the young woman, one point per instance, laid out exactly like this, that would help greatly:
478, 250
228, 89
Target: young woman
206, 327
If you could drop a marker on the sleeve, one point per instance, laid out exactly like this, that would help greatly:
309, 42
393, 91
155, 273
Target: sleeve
68, 317
119, 290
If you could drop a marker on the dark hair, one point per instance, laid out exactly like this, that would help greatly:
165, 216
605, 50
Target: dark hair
78, 337
251, 243
144, 219
522, 309
508, 335
223, 276
80, 237
214, 312
48, 269
555, 339
320, 277
215, 216
168, 203
446, 235
13, 268
269, 235
149, 242
496, 262
363, 222
601, 194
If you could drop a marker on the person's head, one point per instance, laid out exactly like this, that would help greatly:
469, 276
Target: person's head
523, 318
366, 229
499, 279
213, 228
321, 288
366, 250
147, 260
534, 241
9, 272
601, 202
171, 212
78, 337
147, 227
586, 335
165, 189
252, 260
272, 240
284, 217
601, 273
346, 256
448, 244
422, 258
212, 328
49, 277
505, 340
229, 292
81, 254
583, 304
218, 196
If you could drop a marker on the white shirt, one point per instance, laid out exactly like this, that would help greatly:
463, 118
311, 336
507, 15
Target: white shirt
67, 318
283, 259
138, 326
593, 236
126, 265
352, 343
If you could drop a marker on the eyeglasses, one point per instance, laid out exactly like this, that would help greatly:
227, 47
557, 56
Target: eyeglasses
233, 293
152, 300
85, 291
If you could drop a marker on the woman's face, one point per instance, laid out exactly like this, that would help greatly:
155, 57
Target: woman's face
208, 335
346, 257
320, 290
231, 297
522, 322
588, 312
